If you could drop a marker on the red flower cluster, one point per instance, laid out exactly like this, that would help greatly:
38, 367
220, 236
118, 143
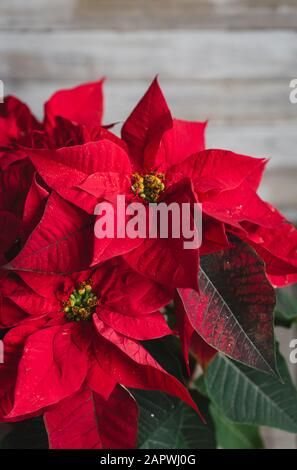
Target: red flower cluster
76, 308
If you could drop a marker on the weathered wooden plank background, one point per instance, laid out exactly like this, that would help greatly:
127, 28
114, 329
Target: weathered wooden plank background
229, 61
143, 14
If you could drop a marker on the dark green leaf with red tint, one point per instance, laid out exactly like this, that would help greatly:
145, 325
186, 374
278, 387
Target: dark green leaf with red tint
233, 311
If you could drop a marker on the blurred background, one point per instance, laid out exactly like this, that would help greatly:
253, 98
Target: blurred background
229, 61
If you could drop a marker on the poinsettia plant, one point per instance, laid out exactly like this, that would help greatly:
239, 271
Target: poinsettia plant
125, 342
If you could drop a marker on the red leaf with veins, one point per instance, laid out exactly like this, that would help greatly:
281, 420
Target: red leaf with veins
82, 104
210, 170
58, 243
142, 327
83, 173
9, 232
10, 313
242, 204
234, 310
145, 127
165, 260
179, 142
86, 421
190, 339
98, 380
184, 328
201, 350
160, 260
117, 419
16, 120
125, 291
106, 185
33, 304
53, 366
108, 247
131, 364
280, 257
15, 182
34, 207
13, 348
62, 179
92, 157
73, 424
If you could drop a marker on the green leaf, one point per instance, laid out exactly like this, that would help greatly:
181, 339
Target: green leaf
286, 308
249, 396
2, 333
200, 385
29, 434
167, 423
232, 435
170, 315
167, 352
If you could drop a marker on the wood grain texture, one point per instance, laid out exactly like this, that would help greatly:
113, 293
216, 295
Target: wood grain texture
279, 188
175, 55
147, 14
224, 101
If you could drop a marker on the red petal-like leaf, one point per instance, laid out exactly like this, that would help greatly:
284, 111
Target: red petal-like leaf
34, 207
242, 205
125, 291
145, 127
83, 173
9, 232
179, 142
92, 157
131, 364
10, 313
201, 350
82, 104
214, 236
53, 366
106, 185
184, 328
58, 243
158, 260
34, 304
280, 257
98, 380
117, 419
16, 119
72, 423
165, 260
13, 348
86, 421
107, 248
15, 183
142, 327
209, 169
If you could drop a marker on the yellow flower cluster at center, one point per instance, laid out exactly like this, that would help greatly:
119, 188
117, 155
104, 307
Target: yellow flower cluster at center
148, 186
